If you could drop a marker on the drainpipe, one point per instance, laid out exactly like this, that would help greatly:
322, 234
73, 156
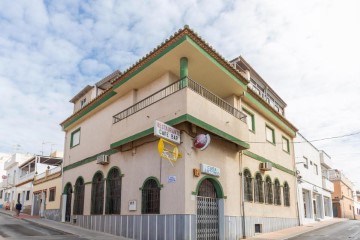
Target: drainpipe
242, 196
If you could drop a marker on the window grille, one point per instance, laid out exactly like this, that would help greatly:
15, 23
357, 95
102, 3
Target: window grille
151, 197
79, 197
68, 192
277, 193
286, 194
207, 212
113, 192
259, 189
207, 189
248, 188
268, 191
97, 197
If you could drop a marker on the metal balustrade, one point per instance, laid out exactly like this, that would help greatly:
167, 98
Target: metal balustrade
173, 88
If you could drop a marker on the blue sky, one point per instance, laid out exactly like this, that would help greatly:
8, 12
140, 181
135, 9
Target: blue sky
308, 51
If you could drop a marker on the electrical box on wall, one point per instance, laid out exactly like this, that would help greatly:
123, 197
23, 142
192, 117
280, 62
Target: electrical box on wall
132, 205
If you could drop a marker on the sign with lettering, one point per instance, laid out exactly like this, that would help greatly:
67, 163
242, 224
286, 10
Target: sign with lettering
165, 131
211, 170
171, 179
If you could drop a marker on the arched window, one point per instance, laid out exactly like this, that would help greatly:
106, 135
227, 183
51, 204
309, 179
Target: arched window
248, 187
277, 193
268, 191
97, 195
207, 189
68, 191
258, 188
286, 194
79, 190
151, 197
113, 192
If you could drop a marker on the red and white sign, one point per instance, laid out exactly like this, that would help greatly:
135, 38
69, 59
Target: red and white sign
201, 141
4, 177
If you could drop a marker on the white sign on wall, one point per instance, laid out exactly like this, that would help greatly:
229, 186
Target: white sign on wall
211, 170
132, 205
167, 132
171, 179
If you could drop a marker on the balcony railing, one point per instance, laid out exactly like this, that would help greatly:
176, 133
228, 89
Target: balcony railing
173, 88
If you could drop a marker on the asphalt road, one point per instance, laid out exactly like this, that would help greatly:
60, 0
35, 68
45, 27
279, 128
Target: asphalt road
340, 231
13, 228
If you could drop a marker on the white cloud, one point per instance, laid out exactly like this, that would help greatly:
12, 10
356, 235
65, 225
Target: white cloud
306, 50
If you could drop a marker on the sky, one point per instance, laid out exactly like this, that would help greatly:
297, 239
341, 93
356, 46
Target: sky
307, 51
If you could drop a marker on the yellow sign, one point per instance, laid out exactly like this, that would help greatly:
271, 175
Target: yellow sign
168, 150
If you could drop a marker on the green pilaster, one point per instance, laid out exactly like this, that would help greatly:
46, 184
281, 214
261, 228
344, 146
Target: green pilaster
183, 72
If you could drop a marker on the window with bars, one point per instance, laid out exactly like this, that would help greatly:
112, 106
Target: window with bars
286, 190
52, 192
248, 188
97, 196
79, 196
258, 189
277, 192
207, 189
150, 197
268, 191
113, 192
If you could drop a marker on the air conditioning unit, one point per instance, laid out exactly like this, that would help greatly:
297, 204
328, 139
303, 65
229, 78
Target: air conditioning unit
266, 166
102, 159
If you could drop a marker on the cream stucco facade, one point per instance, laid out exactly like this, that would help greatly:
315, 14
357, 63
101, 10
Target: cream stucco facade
187, 85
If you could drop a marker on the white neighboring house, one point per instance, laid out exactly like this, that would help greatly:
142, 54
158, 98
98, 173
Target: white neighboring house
314, 188
28, 170
8, 186
3, 158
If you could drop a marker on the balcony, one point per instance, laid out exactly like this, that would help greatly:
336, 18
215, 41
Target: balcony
173, 88
327, 185
27, 177
10, 163
183, 98
48, 175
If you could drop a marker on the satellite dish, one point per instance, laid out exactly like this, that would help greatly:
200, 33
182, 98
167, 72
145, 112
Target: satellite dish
201, 141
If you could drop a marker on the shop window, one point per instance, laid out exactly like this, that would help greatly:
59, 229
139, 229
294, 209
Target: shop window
286, 190
268, 191
248, 187
277, 192
258, 188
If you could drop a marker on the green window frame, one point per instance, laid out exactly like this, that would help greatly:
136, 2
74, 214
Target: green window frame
269, 131
75, 138
250, 120
285, 144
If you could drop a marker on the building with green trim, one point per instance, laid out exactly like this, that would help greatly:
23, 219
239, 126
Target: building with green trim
115, 180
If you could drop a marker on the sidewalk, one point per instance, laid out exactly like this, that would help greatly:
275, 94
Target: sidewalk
65, 227
295, 231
